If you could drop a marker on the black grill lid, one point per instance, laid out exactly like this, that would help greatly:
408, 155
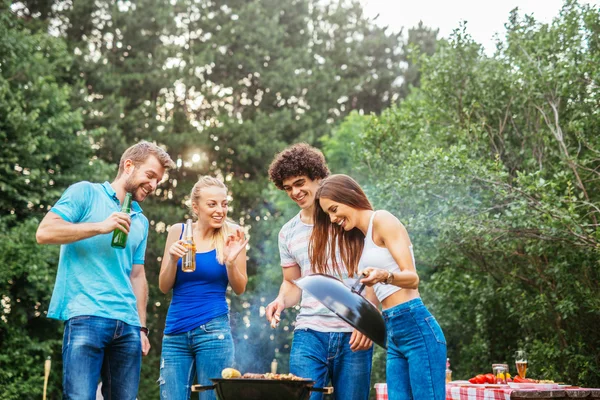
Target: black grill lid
347, 303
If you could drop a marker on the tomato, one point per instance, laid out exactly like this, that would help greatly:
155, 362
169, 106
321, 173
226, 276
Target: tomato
473, 380
490, 378
480, 379
518, 379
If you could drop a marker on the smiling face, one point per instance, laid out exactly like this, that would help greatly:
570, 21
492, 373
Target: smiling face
340, 214
302, 190
144, 178
211, 206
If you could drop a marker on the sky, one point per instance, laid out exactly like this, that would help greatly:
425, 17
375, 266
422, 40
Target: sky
484, 17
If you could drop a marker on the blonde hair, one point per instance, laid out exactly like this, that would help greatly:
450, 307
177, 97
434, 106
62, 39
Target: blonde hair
219, 236
138, 153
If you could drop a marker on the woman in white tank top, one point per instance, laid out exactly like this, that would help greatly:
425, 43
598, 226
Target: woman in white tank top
378, 244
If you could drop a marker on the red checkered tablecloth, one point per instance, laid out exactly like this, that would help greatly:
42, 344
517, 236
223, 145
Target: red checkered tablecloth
474, 393
381, 390
458, 393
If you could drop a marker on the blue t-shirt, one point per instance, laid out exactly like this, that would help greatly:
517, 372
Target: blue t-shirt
198, 296
94, 278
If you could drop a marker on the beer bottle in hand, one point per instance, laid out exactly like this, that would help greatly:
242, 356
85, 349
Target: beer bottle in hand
119, 238
188, 262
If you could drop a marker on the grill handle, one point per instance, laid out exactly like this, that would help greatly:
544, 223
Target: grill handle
355, 287
325, 390
200, 388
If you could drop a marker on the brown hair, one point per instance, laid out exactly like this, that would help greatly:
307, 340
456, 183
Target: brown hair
138, 153
326, 237
298, 160
219, 236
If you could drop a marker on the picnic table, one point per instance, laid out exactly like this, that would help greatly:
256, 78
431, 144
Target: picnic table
504, 392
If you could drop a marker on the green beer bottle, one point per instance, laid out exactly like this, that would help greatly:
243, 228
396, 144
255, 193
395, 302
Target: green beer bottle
119, 238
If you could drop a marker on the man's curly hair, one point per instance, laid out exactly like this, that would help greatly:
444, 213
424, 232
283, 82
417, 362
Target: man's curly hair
298, 160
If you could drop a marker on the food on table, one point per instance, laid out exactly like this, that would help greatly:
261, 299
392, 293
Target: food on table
229, 373
506, 376
486, 379
518, 379
489, 379
483, 378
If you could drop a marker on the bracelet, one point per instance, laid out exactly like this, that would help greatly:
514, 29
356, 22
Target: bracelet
145, 330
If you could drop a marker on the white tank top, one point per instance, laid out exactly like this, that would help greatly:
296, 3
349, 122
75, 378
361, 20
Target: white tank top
379, 257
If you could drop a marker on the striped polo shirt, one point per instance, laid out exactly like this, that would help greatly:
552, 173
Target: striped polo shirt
293, 250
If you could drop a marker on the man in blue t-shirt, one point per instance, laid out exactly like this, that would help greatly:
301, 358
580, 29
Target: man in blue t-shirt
100, 291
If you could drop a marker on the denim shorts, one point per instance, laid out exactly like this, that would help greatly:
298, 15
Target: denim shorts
201, 353
416, 355
325, 357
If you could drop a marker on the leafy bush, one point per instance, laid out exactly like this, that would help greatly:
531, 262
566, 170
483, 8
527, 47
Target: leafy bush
493, 166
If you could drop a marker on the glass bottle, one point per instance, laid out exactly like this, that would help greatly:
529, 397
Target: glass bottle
188, 261
274, 366
448, 371
119, 239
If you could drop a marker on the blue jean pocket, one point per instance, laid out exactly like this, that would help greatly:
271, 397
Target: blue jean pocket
436, 329
217, 325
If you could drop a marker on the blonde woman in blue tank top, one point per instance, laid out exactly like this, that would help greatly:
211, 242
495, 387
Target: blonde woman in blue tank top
197, 341
378, 244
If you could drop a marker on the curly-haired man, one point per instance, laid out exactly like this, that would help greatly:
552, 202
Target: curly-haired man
325, 348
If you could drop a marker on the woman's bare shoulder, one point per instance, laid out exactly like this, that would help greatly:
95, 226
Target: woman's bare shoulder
386, 218
175, 230
387, 223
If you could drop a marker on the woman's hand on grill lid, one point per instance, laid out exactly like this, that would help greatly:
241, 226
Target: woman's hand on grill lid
373, 276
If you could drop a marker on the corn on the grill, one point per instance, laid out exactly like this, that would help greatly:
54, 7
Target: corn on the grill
229, 373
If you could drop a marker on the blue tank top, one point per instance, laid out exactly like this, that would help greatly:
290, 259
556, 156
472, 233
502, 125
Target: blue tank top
198, 296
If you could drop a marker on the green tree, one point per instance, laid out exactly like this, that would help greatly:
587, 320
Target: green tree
492, 165
421, 41
38, 126
43, 151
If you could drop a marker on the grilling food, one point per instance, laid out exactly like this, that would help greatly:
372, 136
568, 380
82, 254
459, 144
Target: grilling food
229, 373
276, 377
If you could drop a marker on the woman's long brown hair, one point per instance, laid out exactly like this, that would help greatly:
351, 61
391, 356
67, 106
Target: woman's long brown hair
327, 238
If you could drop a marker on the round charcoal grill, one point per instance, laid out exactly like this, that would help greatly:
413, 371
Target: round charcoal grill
262, 389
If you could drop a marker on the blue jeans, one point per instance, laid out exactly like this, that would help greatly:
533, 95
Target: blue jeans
95, 347
325, 356
416, 354
202, 353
